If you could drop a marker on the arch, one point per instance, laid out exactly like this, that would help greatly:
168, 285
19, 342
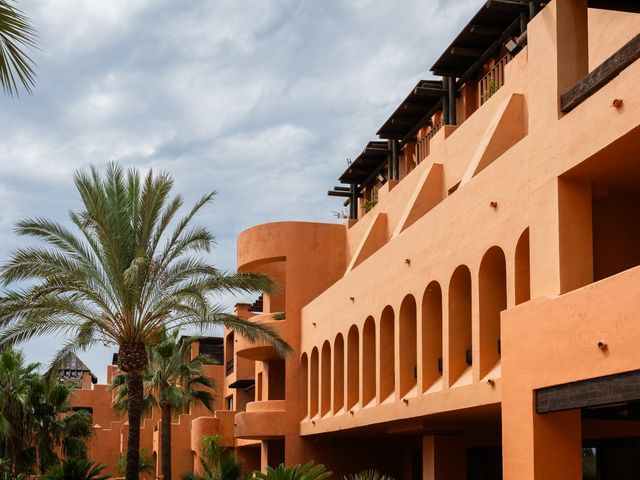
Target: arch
368, 361
313, 384
304, 381
523, 268
387, 359
338, 373
493, 299
325, 375
353, 367
460, 347
408, 347
431, 335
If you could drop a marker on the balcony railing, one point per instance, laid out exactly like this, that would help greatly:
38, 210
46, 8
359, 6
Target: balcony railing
229, 369
422, 148
493, 80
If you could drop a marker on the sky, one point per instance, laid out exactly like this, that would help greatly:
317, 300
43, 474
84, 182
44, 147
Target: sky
260, 100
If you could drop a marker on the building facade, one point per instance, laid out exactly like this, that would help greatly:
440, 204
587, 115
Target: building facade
475, 317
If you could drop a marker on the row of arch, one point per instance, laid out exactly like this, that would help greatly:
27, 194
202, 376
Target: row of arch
362, 368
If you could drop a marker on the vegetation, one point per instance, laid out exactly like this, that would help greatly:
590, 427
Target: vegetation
36, 418
16, 35
146, 464
216, 462
308, 471
76, 469
173, 381
121, 278
368, 475
279, 316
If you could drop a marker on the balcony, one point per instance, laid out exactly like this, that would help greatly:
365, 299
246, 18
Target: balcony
493, 80
262, 351
264, 419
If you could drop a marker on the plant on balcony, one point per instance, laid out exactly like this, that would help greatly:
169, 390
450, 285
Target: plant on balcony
491, 89
368, 475
76, 469
308, 471
174, 382
279, 316
216, 462
127, 269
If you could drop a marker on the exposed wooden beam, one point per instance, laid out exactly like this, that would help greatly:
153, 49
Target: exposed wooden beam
341, 189
423, 121
444, 72
485, 30
631, 6
508, 5
334, 193
465, 52
510, 30
601, 75
622, 387
369, 180
429, 91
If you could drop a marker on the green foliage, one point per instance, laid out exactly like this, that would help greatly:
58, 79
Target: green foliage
36, 417
308, 471
75, 469
368, 475
279, 316
216, 462
146, 464
16, 35
128, 269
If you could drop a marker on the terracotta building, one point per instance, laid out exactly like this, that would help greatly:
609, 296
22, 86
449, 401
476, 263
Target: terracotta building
475, 317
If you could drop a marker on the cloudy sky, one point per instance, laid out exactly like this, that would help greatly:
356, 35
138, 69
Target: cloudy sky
261, 100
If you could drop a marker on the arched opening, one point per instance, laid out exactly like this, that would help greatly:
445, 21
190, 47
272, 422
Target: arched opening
325, 373
431, 335
229, 353
353, 367
338, 373
493, 299
460, 351
523, 269
408, 345
368, 361
304, 384
313, 384
387, 343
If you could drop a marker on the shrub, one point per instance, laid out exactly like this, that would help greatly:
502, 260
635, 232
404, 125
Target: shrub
75, 469
368, 475
304, 472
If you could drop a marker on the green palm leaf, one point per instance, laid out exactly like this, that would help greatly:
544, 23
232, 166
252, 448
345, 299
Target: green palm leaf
16, 36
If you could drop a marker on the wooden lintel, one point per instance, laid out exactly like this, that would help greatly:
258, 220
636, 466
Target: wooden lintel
466, 52
595, 392
333, 193
601, 75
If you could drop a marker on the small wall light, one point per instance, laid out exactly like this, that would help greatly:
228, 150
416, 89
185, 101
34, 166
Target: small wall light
313, 422
353, 299
313, 323
407, 261
617, 103
491, 382
406, 401
602, 345
351, 412
493, 204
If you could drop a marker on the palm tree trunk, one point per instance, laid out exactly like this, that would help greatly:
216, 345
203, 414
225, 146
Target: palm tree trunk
134, 384
166, 442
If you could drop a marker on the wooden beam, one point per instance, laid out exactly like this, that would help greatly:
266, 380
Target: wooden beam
423, 121
485, 30
601, 75
369, 180
508, 5
465, 52
333, 193
341, 189
621, 387
429, 92
443, 72
617, 5
510, 30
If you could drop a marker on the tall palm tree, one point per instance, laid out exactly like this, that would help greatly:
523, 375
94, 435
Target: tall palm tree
16, 35
121, 278
174, 381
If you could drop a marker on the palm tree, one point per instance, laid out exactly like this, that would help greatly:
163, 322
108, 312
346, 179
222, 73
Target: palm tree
308, 471
56, 424
16, 35
76, 469
177, 381
122, 278
216, 462
16, 380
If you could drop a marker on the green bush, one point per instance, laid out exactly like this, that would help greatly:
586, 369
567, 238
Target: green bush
368, 475
279, 316
304, 472
75, 469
